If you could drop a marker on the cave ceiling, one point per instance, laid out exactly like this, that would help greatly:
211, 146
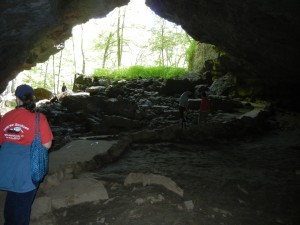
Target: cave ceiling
263, 33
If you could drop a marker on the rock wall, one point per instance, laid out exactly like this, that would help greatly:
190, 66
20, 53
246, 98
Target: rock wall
264, 34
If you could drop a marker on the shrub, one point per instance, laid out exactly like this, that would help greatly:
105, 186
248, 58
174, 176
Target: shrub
135, 72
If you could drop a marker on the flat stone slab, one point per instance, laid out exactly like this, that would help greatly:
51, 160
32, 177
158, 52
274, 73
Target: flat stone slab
63, 191
258, 108
69, 193
78, 151
76, 191
148, 179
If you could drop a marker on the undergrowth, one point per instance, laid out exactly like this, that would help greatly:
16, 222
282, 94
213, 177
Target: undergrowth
135, 72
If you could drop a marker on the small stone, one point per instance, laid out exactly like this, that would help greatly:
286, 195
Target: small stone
189, 205
140, 201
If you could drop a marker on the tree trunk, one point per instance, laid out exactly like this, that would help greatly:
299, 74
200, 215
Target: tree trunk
162, 43
120, 35
82, 52
53, 73
45, 74
118, 40
106, 49
74, 55
59, 69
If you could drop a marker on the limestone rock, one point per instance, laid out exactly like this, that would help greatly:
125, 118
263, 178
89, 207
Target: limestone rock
40, 207
42, 93
149, 179
76, 191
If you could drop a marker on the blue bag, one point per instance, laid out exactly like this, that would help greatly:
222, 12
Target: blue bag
38, 155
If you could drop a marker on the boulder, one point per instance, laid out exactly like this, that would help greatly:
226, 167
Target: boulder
42, 93
81, 82
179, 85
150, 179
94, 90
223, 86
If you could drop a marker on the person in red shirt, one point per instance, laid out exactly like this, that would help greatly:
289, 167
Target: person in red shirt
204, 108
16, 136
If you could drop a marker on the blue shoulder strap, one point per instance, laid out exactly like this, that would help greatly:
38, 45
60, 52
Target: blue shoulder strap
37, 125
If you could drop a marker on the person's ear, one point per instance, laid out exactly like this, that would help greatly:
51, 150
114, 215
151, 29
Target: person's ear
19, 101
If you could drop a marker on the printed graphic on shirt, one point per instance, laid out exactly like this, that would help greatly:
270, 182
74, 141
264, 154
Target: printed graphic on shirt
15, 131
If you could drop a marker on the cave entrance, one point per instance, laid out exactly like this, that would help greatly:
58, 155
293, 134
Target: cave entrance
132, 35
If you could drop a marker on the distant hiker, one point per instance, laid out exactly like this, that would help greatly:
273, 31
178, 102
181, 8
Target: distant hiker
204, 108
183, 107
64, 87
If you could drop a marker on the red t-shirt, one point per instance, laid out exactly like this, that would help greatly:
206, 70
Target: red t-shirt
17, 126
204, 105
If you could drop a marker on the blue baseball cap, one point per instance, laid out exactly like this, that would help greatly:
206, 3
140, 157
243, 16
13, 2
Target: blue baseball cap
24, 90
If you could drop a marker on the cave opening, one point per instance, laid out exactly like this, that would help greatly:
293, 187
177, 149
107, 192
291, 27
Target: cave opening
84, 52
89, 40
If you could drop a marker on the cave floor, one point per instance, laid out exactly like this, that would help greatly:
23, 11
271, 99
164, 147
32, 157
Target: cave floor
248, 182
